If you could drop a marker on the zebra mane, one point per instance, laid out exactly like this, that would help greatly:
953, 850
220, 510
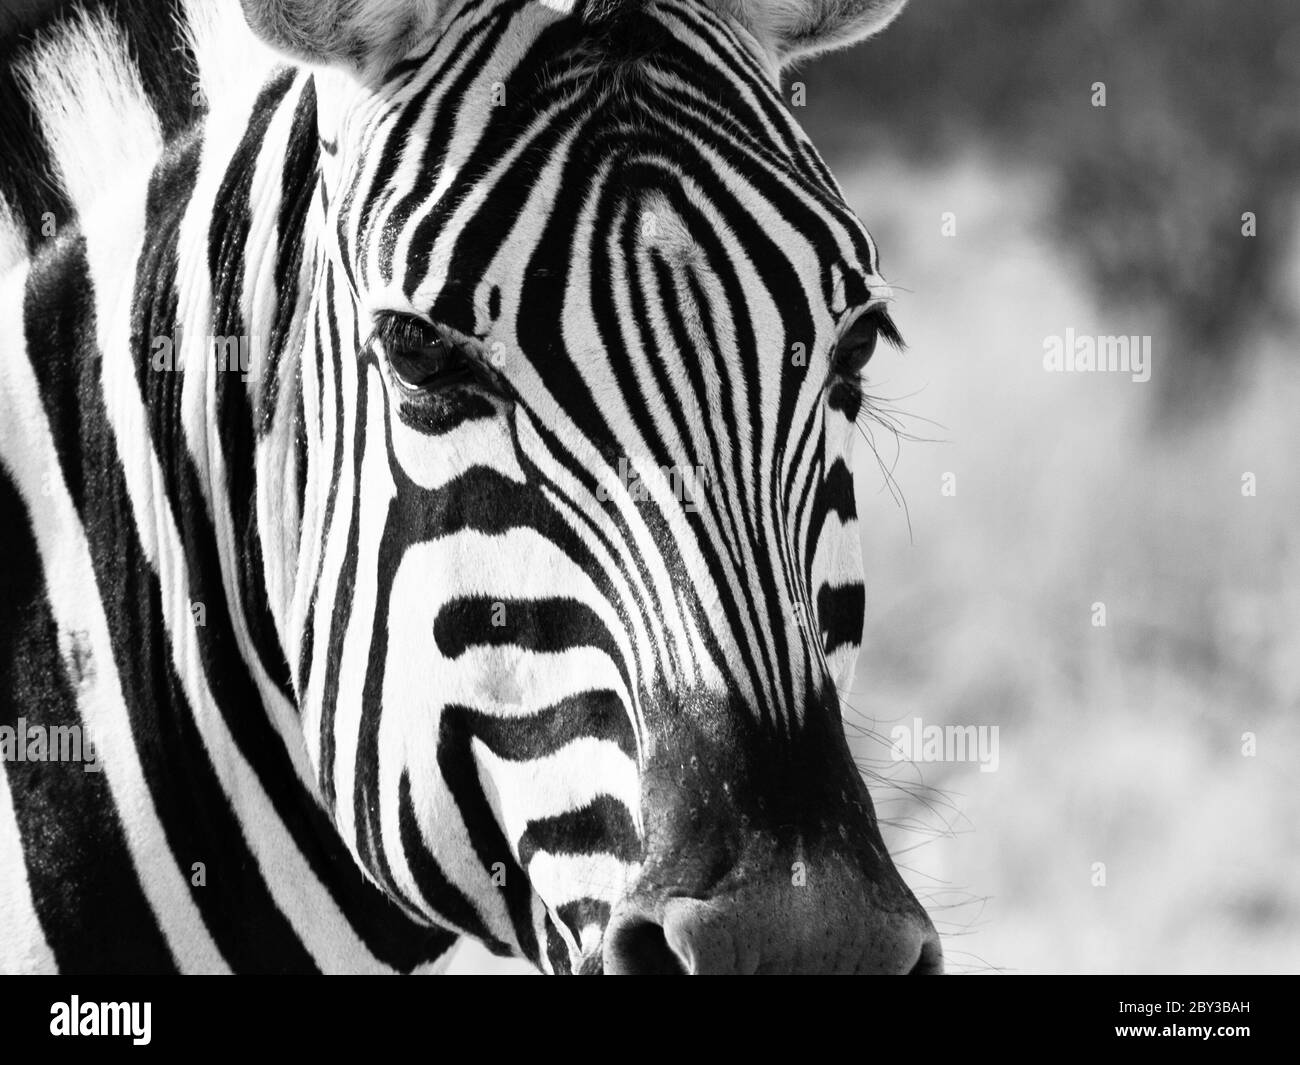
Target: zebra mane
102, 89
87, 95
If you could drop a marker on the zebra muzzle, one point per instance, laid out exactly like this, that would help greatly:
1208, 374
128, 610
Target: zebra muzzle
763, 856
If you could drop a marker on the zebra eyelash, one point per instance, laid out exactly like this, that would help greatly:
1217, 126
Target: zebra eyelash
394, 331
425, 358
888, 329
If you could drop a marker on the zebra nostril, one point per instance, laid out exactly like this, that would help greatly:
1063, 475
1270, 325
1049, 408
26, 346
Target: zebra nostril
930, 963
753, 933
637, 946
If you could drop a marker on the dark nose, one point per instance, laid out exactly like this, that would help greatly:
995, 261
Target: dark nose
769, 932
763, 857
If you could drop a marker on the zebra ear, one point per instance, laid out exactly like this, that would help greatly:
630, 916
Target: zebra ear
363, 35
795, 28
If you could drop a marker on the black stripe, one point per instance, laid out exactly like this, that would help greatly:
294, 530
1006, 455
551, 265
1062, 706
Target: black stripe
597, 714
301, 159
603, 826
841, 610
547, 625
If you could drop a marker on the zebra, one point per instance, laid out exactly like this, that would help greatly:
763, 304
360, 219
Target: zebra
425, 482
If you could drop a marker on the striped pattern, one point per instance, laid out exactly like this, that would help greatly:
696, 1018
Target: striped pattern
389, 666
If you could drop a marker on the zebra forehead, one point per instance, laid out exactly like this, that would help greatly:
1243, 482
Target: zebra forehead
649, 131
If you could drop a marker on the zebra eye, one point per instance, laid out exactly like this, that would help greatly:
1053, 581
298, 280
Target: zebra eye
859, 343
857, 347
421, 357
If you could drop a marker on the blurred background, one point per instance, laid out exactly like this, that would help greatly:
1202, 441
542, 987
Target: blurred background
1124, 829
1144, 815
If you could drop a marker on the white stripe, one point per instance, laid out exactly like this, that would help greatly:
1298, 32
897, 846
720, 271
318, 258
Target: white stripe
558, 783
278, 522
435, 460
22, 940
561, 878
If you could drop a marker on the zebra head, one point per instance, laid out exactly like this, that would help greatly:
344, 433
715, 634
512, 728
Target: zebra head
579, 565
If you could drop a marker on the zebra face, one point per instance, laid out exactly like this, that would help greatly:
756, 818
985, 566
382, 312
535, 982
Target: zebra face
591, 324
